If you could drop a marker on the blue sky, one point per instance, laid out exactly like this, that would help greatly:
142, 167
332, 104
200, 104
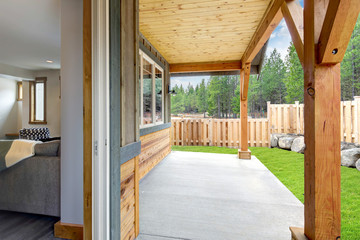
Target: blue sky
279, 39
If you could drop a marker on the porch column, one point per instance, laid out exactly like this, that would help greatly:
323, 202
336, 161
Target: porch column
244, 152
324, 22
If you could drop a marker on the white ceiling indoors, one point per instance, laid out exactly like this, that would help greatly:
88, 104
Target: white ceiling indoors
30, 33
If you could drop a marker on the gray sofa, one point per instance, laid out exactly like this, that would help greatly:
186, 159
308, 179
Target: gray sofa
33, 185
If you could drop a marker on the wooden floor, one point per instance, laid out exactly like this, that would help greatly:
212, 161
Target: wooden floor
23, 226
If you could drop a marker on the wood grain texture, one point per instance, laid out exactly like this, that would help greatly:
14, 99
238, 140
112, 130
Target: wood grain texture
201, 30
87, 118
68, 231
205, 67
129, 205
322, 135
267, 25
336, 32
297, 233
244, 82
293, 15
154, 147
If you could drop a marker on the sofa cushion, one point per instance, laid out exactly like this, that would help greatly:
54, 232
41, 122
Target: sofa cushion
47, 148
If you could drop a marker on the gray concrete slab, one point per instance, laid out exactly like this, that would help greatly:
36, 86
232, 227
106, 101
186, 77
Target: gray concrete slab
215, 196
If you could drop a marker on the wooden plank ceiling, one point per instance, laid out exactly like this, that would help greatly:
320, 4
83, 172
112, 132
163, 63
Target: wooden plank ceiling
195, 31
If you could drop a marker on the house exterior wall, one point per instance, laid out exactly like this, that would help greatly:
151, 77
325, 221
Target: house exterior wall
128, 202
154, 148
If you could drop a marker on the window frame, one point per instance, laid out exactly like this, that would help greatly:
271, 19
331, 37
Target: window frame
154, 65
32, 100
19, 89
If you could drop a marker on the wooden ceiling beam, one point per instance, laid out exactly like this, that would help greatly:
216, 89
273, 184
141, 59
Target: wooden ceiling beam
205, 67
340, 20
293, 15
268, 24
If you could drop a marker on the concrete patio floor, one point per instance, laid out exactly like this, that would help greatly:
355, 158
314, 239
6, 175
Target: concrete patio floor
215, 196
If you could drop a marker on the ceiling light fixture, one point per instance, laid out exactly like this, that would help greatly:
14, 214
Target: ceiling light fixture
49, 61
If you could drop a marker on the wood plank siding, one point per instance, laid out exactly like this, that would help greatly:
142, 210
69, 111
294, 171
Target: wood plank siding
128, 200
154, 147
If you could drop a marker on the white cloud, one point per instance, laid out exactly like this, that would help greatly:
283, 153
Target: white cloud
279, 39
185, 81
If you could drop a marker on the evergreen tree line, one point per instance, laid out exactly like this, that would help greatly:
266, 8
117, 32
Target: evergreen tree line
217, 97
280, 81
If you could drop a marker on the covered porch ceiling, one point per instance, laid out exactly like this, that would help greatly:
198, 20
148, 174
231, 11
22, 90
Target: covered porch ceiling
196, 32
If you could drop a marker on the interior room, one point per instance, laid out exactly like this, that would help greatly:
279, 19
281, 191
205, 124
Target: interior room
40, 117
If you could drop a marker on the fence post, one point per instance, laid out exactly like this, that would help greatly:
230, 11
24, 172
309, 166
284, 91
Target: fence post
297, 110
211, 124
357, 119
268, 106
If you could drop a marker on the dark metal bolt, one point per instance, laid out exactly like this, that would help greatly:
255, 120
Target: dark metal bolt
310, 91
334, 51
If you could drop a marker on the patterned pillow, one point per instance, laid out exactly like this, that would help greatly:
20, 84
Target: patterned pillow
34, 133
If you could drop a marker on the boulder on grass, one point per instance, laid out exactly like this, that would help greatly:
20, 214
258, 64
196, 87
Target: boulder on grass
286, 142
298, 145
349, 157
275, 138
357, 164
346, 146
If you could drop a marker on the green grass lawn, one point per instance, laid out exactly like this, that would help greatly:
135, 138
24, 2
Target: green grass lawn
288, 167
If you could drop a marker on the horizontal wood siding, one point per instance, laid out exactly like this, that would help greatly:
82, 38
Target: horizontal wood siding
154, 147
128, 200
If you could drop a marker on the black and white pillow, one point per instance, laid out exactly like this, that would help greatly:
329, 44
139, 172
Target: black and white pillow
34, 133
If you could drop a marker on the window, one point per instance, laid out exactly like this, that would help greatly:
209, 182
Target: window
37, 101
19, 91
152, 91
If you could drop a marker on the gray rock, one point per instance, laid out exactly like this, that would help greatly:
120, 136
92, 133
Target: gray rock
346, 146
286, 142
275, 138
357, 164
298, 145
349, 157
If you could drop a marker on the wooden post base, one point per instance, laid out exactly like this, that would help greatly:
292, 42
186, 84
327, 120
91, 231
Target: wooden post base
244, 154
297, 233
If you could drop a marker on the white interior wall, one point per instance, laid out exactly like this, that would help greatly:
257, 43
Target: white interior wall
71, 112
9, 107
53, 102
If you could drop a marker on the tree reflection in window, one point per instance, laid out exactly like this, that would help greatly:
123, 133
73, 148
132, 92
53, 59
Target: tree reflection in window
147, 92
158, 91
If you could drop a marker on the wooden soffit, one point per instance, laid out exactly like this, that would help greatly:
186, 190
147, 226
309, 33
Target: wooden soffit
195, 31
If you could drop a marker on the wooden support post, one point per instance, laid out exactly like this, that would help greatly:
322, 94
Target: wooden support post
322, 117
269, 122
244, 152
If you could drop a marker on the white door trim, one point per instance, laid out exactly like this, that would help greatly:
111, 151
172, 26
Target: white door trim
101, 107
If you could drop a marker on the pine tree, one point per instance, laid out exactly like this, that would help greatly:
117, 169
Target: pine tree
294, 81
350, 67
201, 96
273, 74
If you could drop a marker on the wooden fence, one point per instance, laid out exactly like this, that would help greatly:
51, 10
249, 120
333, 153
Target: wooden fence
218, 132
281, 118
289, 118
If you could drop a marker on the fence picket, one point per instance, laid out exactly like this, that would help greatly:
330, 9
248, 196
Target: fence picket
281, 118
